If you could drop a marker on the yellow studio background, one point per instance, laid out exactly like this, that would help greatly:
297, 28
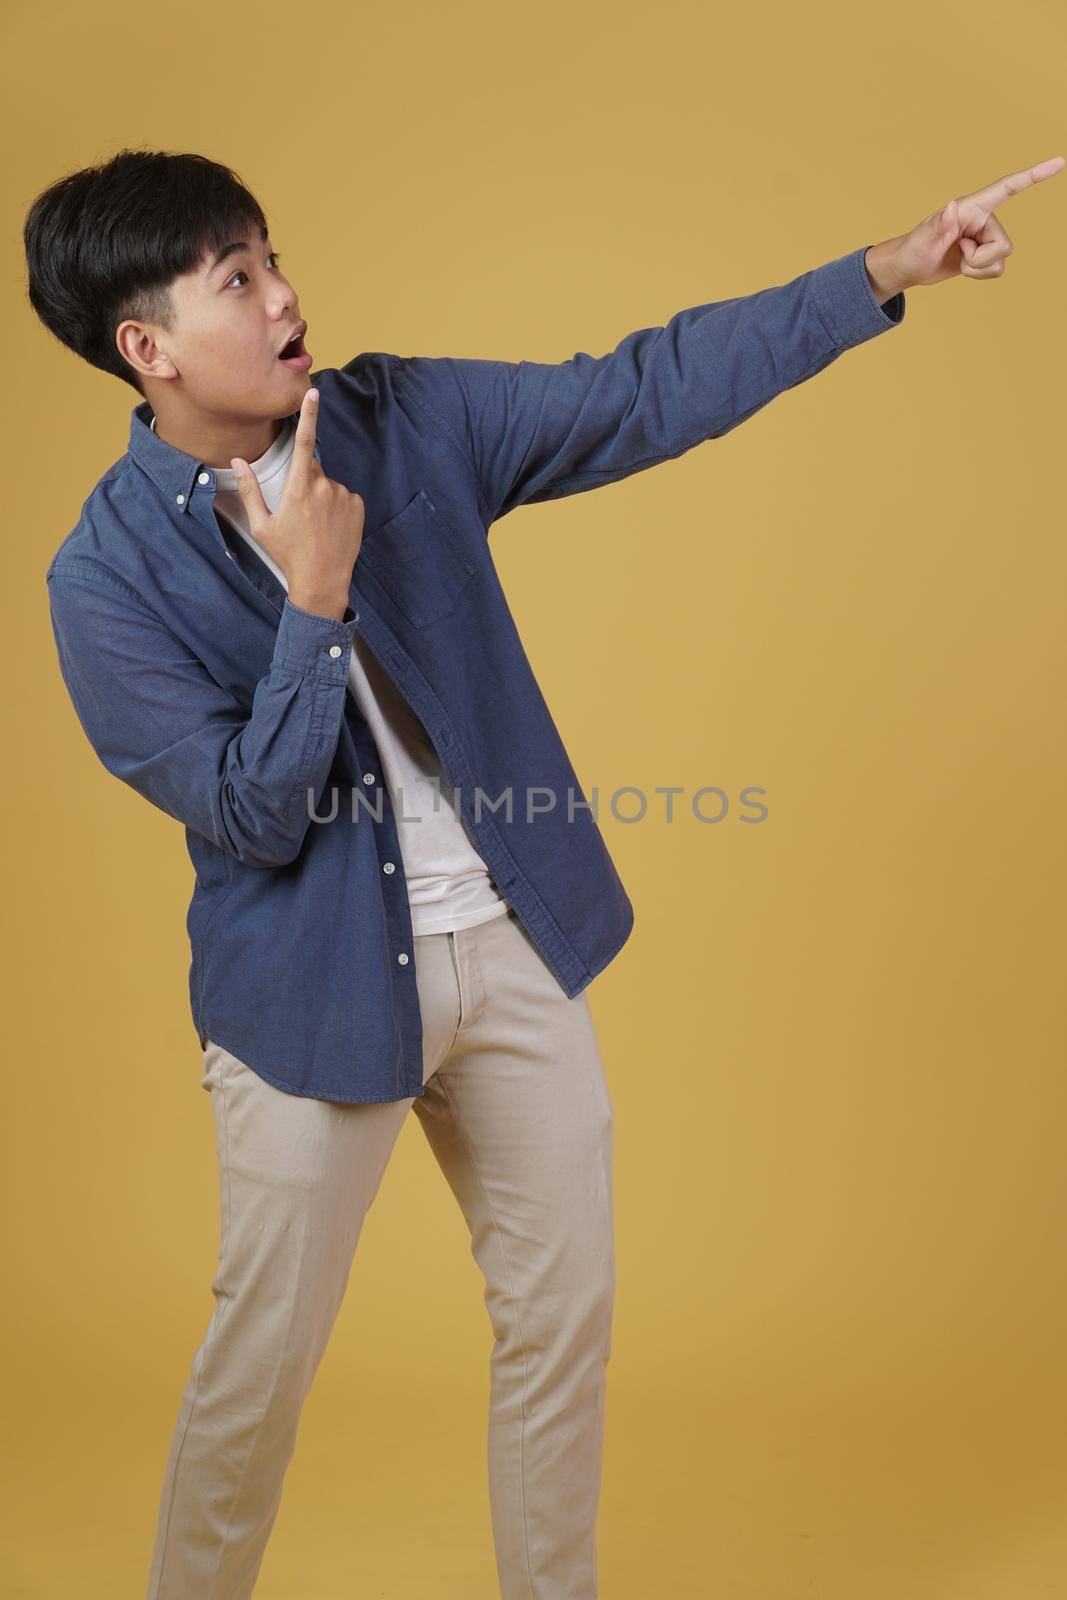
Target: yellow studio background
835, 1040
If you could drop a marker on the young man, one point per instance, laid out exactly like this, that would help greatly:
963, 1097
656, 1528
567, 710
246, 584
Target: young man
278, 618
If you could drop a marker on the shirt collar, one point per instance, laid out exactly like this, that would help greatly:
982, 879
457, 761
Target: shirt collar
178, 477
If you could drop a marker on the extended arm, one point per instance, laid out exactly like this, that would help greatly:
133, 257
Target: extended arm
531, 431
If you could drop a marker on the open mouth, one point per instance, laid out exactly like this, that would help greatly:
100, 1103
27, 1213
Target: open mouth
295, 354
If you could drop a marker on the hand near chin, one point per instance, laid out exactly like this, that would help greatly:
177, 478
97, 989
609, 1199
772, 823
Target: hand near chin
316, 532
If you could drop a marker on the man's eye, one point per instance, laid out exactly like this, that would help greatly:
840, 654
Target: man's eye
274, 256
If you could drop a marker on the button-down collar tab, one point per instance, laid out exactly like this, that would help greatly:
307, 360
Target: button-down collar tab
170, 469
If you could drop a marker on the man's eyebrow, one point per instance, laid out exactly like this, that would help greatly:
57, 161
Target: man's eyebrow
231, 249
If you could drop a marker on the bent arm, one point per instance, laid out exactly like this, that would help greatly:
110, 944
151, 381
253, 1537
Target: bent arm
159, 721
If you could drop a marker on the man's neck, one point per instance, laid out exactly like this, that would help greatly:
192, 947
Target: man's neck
217, 444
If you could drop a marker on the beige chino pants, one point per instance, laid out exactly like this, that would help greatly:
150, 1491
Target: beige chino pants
518, 1114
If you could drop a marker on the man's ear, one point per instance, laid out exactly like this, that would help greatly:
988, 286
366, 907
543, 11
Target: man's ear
137, 345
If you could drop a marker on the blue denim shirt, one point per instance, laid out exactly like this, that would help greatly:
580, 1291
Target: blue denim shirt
199, 683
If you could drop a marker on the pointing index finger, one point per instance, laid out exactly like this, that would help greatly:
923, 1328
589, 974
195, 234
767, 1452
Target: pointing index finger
304, 443
995, 194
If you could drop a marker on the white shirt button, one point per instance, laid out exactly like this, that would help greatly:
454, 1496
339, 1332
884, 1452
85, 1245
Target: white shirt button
205, 477
402, 959
388, 867
180, 499
335, 650
368, 777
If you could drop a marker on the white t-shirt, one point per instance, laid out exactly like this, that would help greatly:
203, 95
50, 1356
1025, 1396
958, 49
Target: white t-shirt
449, 885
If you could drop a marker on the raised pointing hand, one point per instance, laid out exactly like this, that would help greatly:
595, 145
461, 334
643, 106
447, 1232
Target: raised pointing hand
316, 533
964, 238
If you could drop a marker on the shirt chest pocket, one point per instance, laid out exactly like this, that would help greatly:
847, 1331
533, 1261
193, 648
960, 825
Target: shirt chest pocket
418, 561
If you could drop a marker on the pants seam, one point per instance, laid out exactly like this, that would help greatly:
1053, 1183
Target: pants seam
454, 962
518, 1324
252, 1443
206, 1351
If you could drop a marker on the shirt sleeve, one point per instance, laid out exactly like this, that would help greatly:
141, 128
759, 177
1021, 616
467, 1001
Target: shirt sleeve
158, 720
531, 431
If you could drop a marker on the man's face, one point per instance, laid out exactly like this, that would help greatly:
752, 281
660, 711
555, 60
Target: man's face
232, 316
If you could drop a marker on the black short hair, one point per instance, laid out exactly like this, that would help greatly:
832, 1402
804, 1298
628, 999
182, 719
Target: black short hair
105, 243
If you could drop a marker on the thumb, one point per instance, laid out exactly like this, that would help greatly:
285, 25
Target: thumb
948, 223
250, 492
